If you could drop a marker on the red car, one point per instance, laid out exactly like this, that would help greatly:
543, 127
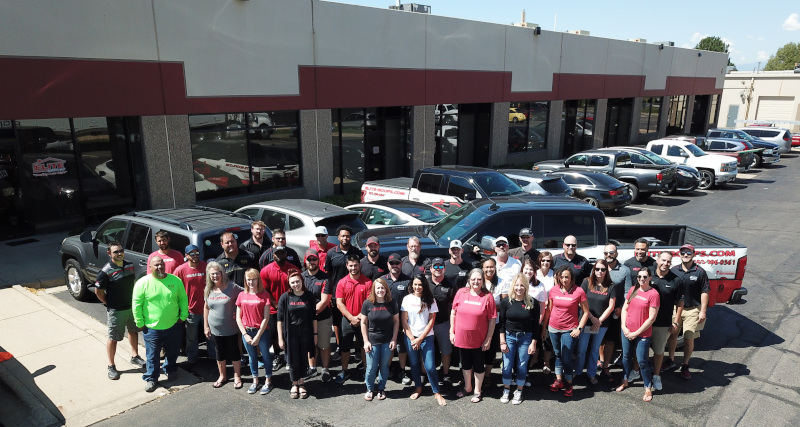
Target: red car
796, 140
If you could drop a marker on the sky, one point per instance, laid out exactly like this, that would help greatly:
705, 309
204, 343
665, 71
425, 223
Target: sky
754, 30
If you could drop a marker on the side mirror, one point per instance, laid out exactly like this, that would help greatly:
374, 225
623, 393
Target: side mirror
87, 236
469, 196
684, 154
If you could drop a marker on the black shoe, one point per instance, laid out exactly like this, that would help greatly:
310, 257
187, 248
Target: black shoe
112, 373
668, 364
336, 356
138, 361
326, 376
446, 381
311, 373
172, 376
277, 364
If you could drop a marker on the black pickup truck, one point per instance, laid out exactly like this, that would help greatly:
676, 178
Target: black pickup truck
642, 180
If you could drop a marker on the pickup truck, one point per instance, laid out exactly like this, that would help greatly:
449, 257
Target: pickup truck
643, 179
713, 168
444, 187
740, 150
551, 219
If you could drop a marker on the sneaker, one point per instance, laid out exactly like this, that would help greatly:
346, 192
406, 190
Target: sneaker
556, 386
668, 364
326, 376
266, 389
406, 380
138, 361
311, 373
506, 396
685, 374
112, 373
633, 376
151, 386
277, 364
336, 356
593, 380
252, 389
657, 382
260, 364
360, 365
172, 376
527, 384
342, 377
517, 397
568, 390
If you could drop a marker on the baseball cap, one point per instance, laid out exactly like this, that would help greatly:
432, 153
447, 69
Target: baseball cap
500, 239
321, 230
395, 257
372, 240
437, 261
310, 252
525, 232
279, 248
190, 248
687, 246
456, 244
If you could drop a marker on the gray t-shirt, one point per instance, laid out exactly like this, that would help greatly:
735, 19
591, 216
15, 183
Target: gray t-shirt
222, 311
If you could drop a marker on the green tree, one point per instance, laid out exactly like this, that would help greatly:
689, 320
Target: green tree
714, 44
784, 58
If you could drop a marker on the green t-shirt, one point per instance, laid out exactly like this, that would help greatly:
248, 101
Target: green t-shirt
159, 303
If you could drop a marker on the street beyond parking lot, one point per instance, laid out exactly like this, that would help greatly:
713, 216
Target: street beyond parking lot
743, 366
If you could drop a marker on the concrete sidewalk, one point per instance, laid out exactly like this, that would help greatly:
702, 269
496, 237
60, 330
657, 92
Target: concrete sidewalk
57, 370
32, 262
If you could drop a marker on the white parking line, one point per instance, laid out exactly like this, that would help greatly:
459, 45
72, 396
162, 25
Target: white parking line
745, 176
651, 209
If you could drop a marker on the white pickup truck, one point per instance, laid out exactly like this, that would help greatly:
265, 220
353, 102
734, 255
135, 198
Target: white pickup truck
714, 169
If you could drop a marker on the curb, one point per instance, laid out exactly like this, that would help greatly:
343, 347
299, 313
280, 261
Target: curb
44, 284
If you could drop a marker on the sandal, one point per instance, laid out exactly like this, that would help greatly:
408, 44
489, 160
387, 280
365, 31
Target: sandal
476, 399
648, 396
219, 383
293, 393
368, 396
238, 384
303, 392
462, 392
415, 395
622, 386
381, 395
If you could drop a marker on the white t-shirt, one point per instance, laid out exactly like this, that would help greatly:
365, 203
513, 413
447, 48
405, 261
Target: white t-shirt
418, 321
538, 291
547, 281
506, 273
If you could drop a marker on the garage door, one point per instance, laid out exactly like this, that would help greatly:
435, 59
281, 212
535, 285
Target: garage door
775, 108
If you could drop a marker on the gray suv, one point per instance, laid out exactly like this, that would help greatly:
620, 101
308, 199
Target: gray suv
83, 256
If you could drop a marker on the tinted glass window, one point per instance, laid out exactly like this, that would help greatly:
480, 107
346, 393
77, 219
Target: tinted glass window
768, 133
557, 226
211, 246
430, 183
139, 239
461, 188
496, 184
427, 214
507, 226
598, 161
717, 145
252, 212
578, 160
674, 150
353, 221
557, 186
113, 230
179, 241
295, 223
656, 148
274, 219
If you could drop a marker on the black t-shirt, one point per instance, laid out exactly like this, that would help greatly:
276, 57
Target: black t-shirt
515, 317
319, 284
235, 268
117, 282
336, 263
380, 320
598, 300
422, 266
443, 293
398, 288
694, 283
252, 247
578, 264
669, 291
298, 314
519, 253
291, 256
457, 273
374, 271
635, 266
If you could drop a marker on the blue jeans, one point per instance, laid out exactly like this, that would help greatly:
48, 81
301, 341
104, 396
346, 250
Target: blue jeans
266, 356
426, 353
517, 357
154, 341
563, 348
378, 364
642, 347
590, 343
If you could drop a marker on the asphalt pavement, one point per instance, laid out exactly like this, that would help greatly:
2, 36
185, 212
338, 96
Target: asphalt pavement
743, 366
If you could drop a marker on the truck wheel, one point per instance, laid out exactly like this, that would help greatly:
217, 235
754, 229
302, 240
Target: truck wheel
592, 201
76, 283
756, 161
706, 179
633, 190
515, 120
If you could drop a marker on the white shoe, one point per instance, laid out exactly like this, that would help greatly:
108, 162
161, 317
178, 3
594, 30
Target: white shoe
517, 397
506, 395
657, 382
633, 376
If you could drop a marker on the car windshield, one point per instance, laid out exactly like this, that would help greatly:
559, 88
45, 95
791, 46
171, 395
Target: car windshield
554, 186
496, 184
455, 225
428, 214
746, 136
695, 150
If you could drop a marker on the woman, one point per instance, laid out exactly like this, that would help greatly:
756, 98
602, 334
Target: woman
219, 318
519, 321
297, 331
471, 329
601, 297
489, 266
379, 324
638, 314
252, 316
544, 274
564, 325
418, 312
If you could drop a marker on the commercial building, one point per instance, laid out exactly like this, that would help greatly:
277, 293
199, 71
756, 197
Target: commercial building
764, 96
119, 105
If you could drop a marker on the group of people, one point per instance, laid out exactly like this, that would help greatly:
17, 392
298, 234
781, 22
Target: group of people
259, 300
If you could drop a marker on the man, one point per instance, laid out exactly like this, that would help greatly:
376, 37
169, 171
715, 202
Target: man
695, 288
193, 275
114, 288
669, 291
321, 245
279, 239
336, 266
443, 292
640, 259
316, 281
351, 292
373, 265
525, 246
507, 267
159, 303
255, 244
456, 268
275, 277
398, 285
577, 263
233, 260
172, 258
621, 278
414, 263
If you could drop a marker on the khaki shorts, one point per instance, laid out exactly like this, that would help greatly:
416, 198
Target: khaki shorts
119, 320
659, 337
324, 333
691, 326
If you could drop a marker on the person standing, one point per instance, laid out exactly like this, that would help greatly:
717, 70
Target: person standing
414, 263
321, 245
546, 276
317, 282
601, 297
297, 331
525, 246
638, 314
418, 314
114, 288
234, 261
565, 326
666, 323
374, 265
351, 292
159, 302
506, 266
193, 275
456, 268
379, 324
219, 319
275, 276
256, 244
492, 283
695, 288
641, 259
519, 325
398, 286
172, 258
620, 276
336, 266
279, 240
577, 263
252, 318
443, 292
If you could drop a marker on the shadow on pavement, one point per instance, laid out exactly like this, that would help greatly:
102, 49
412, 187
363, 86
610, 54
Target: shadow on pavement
23, 403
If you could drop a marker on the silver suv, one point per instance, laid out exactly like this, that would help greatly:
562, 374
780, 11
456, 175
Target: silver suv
83, 256
779, 136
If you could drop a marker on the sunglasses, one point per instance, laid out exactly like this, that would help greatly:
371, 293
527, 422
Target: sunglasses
687, 252
194, 254
321, 235
600, 269
547, 260
438, 267
609, 252
571, 245
311, 258
642, 277
121, 251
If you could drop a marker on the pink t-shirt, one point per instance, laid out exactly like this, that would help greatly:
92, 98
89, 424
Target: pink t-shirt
252, 307
564, 313
472, 317
172, 260
639, 309
194, 280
